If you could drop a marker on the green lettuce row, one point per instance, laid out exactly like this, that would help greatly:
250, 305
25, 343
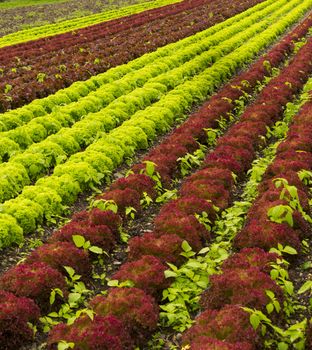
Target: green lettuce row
14, 141
86, 169
78, 23
39, 158
58, 101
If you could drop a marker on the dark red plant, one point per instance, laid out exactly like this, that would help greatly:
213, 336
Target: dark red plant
206, 343
15, 313
266, 235
231, 324
34, 281
106, 217
105, 333
246, 287
167, 248
250, 257
98, 235
137, 310
186, 227
147, 273
123, 199
60, 254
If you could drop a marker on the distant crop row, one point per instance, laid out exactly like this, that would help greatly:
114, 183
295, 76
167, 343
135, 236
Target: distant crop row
37, 69
77, 23
142, 113
125, 317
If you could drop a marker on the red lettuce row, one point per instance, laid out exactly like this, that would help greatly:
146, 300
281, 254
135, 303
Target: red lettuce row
255, 281
246, 272
101, 228
57, 63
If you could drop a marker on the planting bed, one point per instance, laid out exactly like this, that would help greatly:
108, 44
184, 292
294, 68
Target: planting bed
38, 68
215, 217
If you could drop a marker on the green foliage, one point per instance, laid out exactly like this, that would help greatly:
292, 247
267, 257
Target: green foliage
10, 231
8, 148
48, 199
82, 172
13, 177
65, 185
27, 213
189, 282
81, 242
291, 338
190, 161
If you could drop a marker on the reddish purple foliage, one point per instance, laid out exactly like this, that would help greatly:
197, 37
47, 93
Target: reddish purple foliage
98, 235
106, 217
14, 314
190, 205
137, 310
60, 254
138, 182
209, 190
123, 198
185, 226
250, 257
302, 156
167, 248
105, 333
147, 273
236, 142
243, 156
231, 324
266, 235
34, 281
281, 166
240, 286
218, 176
223, 161
290, 175
206, 343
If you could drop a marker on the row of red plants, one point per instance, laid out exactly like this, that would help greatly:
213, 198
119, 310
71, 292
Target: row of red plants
58, 67
43, 269
223, 324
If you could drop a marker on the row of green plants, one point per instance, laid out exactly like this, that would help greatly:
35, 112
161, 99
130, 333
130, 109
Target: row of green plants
78, 90
86, 170
99, 228
77, 23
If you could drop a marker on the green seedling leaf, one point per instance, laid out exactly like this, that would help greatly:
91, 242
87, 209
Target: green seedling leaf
79, 241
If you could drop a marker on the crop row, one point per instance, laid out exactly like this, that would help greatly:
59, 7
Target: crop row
177, 221
86, 169
42, 69
16, 177
248, 278
78, 90
78, 23
103, 231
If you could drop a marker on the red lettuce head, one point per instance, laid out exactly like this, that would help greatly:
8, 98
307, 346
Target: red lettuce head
246, 287
230, 324
147, 273
60, 254
34, 281
136, 309
15, 313
103, 332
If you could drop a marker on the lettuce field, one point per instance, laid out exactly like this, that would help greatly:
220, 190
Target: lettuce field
156, 177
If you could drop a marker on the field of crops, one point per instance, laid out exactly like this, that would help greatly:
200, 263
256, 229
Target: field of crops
156, 179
